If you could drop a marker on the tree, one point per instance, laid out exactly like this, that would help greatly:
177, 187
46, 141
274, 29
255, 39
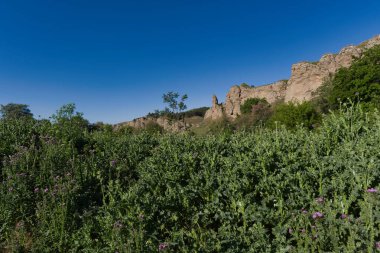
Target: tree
175, 105
15, 111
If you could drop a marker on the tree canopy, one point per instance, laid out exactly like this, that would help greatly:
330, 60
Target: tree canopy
15, 111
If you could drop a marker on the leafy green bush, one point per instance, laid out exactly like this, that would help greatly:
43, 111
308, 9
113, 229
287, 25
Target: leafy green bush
246, 107
245, 85
292, 114
200, 112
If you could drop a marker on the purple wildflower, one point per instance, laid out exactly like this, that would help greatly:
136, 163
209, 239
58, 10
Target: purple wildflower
377, 244
113, 163
163, 246
46, 190
372, 190
304, 211
343, 216
290, 230
320, 200
317, 215
36, 189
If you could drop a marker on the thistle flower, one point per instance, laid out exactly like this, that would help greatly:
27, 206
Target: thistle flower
163, 246
317, 215
343, 216
372, 190
320, 200
113, 163
377, 245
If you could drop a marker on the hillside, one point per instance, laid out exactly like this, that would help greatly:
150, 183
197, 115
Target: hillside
306, 78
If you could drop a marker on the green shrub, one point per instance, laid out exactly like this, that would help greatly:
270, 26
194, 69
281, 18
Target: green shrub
246, 107
293, 114
245, 85
153, 127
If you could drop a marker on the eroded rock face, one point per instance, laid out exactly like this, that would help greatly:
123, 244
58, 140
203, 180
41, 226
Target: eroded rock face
239, 94
216, 110
165, 123
305, 79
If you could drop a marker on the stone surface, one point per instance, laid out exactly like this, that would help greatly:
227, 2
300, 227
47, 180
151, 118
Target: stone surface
305, 79
165, 123
216, 110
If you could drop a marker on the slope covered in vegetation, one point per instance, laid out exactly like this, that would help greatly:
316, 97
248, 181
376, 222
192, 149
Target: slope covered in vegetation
67, 189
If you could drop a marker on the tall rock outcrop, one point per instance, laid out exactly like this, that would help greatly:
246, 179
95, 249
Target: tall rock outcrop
305, 79
216, 110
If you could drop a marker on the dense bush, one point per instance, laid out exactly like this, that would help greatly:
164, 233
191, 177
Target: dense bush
248, 104
265, 191
199, 112
294, 114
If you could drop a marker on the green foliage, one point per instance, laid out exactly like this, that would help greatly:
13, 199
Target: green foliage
176, 105
245, 85
258, 117
153, 127
262, 191
196, 112
292, 114
361, 81
246, 107
15, 111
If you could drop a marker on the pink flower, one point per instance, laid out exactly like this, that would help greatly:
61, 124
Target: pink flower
372, 190
343, 216
317, 215
163, 246
320, 200
377, 245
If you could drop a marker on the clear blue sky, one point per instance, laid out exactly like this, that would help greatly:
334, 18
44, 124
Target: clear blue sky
115, 59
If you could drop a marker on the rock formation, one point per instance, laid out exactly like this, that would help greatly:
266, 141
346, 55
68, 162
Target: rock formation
165, 123
216, 110
306, 78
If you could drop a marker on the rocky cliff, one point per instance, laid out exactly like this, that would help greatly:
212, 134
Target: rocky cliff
306, 77
164, 122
